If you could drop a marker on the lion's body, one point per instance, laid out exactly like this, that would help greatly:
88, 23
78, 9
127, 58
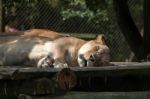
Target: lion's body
65, 50
19, 51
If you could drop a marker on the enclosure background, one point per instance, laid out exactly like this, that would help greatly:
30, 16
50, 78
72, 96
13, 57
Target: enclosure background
89, 17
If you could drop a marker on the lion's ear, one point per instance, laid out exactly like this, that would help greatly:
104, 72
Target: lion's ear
101, 39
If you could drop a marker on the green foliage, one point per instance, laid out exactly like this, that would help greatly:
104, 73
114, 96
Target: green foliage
92, 10
75, 8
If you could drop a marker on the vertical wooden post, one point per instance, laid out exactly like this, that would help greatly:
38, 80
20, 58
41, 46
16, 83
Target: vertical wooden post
128, 28
1, 20
147, 26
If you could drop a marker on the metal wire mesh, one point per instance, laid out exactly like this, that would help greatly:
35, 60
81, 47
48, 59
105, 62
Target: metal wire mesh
75, 16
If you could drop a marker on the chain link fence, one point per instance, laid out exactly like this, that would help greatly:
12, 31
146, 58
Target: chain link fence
74, 16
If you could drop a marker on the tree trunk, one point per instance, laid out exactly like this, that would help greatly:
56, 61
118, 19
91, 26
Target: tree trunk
147, 26
128, 28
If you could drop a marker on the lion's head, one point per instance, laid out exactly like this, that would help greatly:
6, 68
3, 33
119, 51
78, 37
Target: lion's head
94, 53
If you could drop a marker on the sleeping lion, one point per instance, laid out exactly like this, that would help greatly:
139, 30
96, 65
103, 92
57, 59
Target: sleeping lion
65, 51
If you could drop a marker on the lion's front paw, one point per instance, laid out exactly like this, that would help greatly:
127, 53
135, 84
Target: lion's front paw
45, 62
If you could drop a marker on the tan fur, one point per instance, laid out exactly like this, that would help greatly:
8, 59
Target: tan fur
65, 50
43, 33
11, 36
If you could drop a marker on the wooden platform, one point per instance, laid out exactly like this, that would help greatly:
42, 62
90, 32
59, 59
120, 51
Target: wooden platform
122, 77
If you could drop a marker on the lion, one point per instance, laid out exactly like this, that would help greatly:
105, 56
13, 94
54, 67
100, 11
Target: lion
10, 36
64, 51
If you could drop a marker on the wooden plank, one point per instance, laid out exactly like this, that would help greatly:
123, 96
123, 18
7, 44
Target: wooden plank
118, 69
13, 73
5, 34
94, 95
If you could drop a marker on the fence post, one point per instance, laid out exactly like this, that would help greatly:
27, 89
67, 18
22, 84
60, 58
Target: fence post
1, 7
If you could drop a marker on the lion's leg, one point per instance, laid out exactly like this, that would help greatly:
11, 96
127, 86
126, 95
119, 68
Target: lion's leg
50, 62
59, 57
46, 61
60, 63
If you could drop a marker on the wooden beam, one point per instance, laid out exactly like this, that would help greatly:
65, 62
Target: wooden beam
119, 69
